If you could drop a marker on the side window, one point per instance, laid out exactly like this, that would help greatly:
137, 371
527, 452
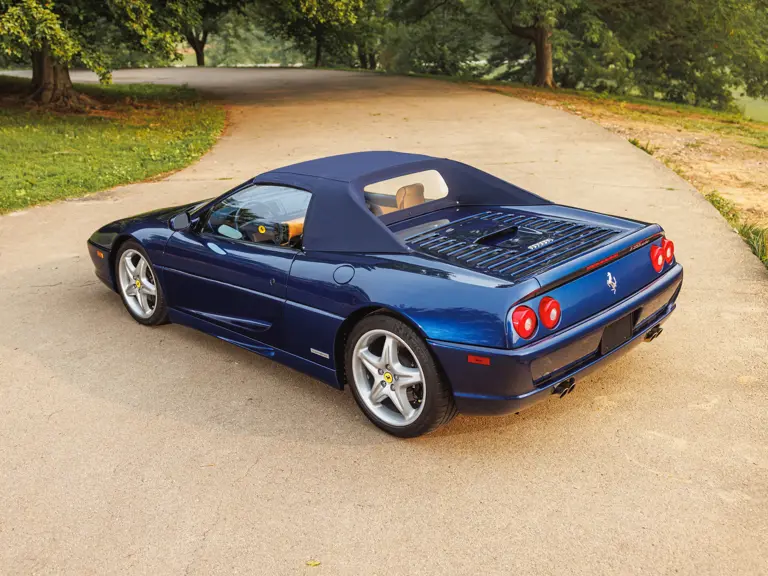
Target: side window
262, 214
405, 192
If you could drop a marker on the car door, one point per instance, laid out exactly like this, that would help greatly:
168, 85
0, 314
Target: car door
231, 269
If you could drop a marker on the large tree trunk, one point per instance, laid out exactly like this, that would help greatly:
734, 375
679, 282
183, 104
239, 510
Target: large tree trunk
51, 84
318, 48
200, 55
197, 41
543, 42
363, 57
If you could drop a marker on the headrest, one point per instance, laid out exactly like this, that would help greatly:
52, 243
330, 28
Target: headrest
410, 196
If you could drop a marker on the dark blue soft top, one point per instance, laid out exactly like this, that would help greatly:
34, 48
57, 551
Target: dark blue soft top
338, 219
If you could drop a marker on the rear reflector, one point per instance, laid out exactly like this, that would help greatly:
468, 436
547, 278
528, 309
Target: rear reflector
482, 360
524, 321
657, 258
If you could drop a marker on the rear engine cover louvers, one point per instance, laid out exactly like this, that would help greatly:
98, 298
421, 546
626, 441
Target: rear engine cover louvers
510, 245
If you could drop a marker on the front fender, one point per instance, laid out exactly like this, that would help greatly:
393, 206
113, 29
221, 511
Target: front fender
151, 230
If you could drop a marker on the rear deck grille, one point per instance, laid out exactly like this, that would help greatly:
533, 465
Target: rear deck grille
535, 243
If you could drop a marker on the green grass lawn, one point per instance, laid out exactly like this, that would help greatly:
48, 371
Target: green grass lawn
139, 131
754, 108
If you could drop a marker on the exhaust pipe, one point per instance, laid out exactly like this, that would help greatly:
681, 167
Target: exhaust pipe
654, 333
564, 387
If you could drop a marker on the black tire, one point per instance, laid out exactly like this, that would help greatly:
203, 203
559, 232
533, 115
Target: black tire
439, 406
160, 314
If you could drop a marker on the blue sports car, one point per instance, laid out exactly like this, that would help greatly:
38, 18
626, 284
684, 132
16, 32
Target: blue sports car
425, 285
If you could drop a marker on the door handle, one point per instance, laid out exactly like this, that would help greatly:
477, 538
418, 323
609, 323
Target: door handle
216, 248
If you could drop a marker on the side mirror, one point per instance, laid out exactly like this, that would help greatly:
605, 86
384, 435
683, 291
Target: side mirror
180, 222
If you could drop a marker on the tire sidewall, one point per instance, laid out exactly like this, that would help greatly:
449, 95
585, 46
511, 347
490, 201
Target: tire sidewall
160, 315
432, 414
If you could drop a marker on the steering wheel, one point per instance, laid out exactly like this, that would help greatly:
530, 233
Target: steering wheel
256, 208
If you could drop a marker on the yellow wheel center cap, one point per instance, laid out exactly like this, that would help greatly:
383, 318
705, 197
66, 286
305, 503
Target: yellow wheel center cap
388, 378
138, 283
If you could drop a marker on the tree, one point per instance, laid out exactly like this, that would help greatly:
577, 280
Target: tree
368, 32
203, 19
585, 52
241, 41
694, 51
534, 21
444, 38
54, 36
311, 25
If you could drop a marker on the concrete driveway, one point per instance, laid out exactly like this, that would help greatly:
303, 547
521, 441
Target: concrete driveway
125, 449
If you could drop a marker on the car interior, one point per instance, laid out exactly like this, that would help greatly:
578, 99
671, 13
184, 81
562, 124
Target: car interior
275, 214
262, 214
405, 197
403, 192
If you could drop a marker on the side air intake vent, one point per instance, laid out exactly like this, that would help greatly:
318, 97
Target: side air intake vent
510, 245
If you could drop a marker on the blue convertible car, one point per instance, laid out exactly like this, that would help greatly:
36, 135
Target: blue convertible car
425, 285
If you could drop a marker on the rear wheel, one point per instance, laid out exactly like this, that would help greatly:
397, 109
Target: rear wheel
394, 378
138, 285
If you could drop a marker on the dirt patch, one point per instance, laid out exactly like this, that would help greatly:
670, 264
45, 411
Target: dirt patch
714, 152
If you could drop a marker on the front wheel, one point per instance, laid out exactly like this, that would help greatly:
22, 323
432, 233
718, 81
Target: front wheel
138, 285
394, 378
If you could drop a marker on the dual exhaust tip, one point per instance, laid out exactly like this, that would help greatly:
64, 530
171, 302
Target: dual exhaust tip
564, 387
654, 333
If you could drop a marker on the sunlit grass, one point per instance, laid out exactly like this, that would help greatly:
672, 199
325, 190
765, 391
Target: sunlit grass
755, 236
647, 148
755, 108
139, 131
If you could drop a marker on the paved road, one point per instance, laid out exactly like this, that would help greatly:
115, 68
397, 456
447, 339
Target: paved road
164, 451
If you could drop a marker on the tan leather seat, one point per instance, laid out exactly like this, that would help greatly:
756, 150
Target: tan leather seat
410, 196
295, 227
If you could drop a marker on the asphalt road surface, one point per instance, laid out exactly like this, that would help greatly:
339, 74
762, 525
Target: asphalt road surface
125, 449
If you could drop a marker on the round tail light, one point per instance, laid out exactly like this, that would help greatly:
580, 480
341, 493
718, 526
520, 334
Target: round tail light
549, 312
657, 258
669, 250
524, 321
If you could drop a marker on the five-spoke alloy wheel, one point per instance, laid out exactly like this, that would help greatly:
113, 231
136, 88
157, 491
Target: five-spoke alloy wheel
388, 377
138, 285
395, 379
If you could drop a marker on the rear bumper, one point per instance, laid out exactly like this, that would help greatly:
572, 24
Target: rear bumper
518, 378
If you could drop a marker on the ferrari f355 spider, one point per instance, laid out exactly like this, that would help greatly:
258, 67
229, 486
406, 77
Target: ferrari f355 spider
426, 286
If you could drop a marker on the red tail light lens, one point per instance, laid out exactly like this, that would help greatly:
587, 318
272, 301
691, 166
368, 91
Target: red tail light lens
657, 258
669, 250
549, 312
524, 321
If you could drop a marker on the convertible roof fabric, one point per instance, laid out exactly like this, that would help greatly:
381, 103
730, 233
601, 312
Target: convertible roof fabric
338, 219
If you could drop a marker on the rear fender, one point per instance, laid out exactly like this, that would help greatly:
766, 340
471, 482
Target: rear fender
444, 302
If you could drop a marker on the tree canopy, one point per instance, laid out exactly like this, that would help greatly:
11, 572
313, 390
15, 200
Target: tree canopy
56, 35
695, 51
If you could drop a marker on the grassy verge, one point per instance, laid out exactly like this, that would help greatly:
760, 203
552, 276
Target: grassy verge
138, 131
754, 235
